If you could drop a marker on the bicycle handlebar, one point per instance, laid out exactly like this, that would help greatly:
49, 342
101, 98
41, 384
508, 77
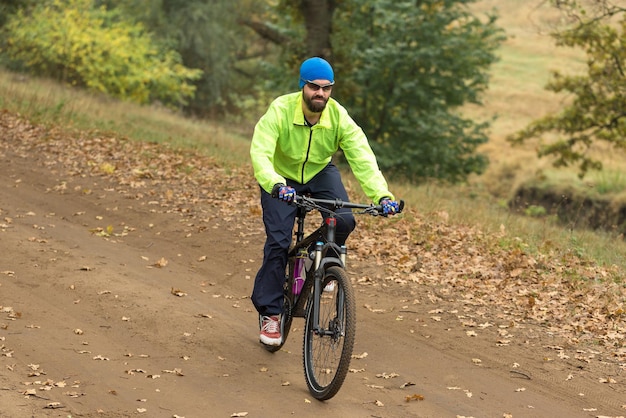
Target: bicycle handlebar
312, 203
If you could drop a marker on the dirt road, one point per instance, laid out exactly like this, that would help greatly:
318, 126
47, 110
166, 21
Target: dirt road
124, 291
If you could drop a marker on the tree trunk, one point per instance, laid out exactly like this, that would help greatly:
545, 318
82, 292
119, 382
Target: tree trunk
318, 18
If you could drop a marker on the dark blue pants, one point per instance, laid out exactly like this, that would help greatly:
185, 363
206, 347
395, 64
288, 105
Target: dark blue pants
279, 218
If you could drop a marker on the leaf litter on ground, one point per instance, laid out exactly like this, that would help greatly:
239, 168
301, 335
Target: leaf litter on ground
559, 292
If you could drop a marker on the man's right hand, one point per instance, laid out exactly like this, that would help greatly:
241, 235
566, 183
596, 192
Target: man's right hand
285, 193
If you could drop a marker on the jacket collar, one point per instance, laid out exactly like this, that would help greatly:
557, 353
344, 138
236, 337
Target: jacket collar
298, 117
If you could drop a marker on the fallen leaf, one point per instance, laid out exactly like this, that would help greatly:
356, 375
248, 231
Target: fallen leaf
387, 375
177, 372
160, 263
178, 292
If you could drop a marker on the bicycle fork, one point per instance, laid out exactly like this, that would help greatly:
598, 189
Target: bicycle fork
334, 328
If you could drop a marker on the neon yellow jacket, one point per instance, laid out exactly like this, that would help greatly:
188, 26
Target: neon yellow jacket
285, 147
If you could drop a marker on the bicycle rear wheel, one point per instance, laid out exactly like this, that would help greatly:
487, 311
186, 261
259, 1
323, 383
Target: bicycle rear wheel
327, 351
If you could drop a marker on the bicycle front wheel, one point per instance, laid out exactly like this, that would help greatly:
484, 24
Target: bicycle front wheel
328, 349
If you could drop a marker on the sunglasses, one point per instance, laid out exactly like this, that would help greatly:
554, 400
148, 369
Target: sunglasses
315, 87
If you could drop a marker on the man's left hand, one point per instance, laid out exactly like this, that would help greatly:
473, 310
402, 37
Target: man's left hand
390, 207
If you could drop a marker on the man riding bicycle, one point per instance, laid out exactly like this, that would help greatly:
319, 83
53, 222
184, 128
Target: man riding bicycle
291, 152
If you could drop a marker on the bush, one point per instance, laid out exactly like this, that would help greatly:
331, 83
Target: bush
98, 49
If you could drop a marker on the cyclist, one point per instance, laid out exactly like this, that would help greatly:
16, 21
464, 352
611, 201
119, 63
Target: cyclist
291, 151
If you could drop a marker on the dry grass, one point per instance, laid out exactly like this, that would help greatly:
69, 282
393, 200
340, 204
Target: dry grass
517, 94
515, 98
48, 102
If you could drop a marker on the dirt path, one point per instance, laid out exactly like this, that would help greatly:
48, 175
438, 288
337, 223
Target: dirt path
117, 300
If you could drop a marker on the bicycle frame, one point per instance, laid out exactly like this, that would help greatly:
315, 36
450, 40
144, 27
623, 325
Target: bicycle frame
325, 235
324, 239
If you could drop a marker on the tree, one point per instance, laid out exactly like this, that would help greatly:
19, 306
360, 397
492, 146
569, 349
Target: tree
300, 29
203, 34
209, 35
597, 111
318, 18
413, 65
404, 69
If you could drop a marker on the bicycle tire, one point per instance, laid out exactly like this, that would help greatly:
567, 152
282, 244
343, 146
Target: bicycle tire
327, 357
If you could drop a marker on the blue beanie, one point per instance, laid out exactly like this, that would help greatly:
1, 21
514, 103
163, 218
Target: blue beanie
316, 69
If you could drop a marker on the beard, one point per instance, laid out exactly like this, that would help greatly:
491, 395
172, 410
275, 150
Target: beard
315, 106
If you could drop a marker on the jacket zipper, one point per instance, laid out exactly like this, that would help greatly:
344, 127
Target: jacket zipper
307, 155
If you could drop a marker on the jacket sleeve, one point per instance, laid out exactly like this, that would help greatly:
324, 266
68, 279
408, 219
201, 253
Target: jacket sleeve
262, 149
362, 160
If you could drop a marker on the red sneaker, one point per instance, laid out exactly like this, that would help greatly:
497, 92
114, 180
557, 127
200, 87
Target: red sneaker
270, 330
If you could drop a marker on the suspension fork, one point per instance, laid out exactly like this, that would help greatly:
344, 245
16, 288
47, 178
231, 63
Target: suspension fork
331, 223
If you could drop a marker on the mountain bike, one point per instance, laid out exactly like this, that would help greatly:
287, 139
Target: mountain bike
318, 289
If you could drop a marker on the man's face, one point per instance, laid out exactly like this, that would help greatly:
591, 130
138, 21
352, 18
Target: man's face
316, 94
